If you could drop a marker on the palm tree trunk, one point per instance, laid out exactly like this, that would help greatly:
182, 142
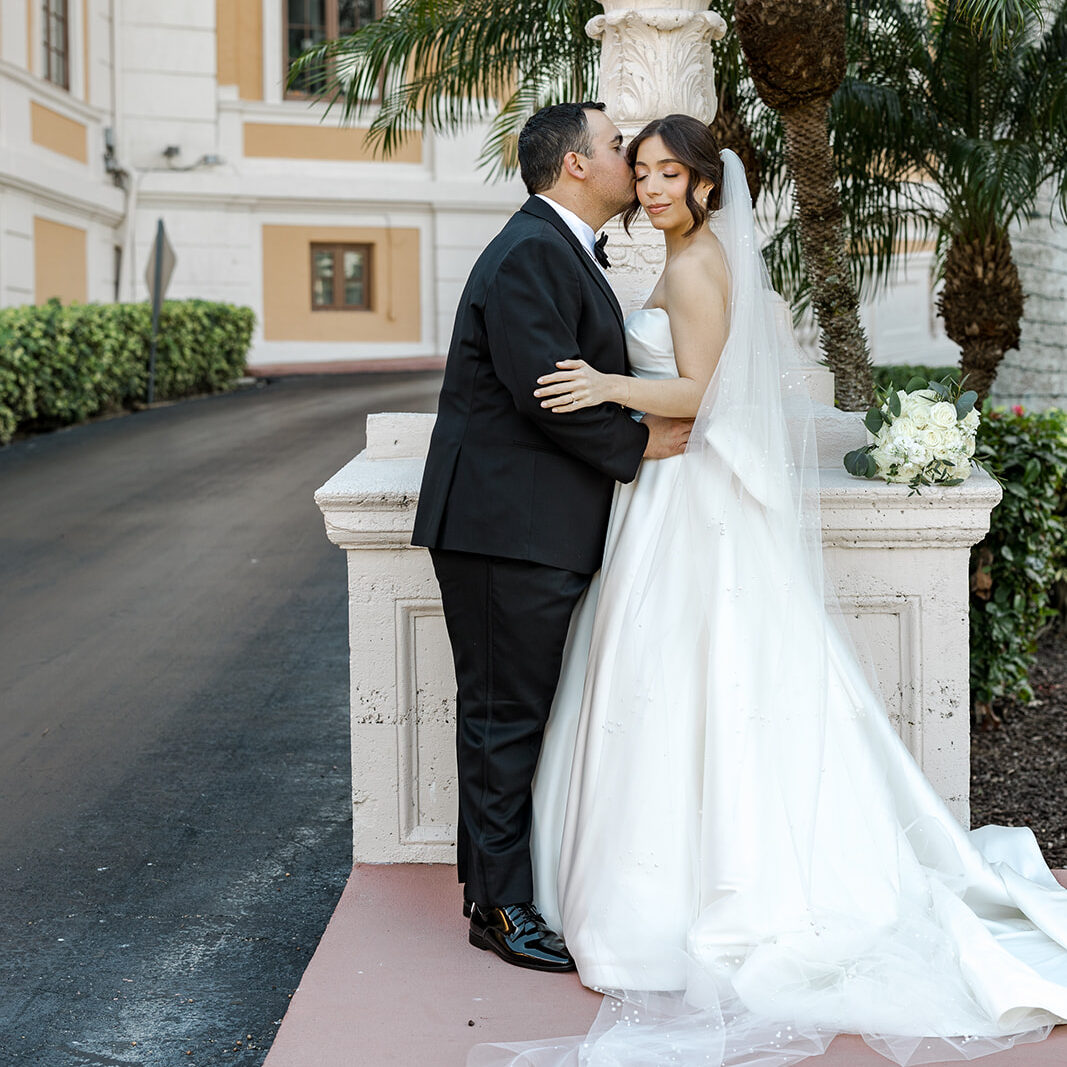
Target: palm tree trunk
730, 131
822, 239
981, 305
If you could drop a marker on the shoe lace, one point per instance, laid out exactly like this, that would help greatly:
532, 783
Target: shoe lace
525, 917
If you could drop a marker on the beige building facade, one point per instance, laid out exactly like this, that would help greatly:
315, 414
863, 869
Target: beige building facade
117, 113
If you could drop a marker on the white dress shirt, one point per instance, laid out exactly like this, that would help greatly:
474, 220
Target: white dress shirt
579, 227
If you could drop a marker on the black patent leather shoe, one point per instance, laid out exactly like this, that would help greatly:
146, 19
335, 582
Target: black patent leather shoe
467, 905
518, 935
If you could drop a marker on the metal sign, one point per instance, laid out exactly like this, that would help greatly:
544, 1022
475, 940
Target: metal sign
161, 261
157, 274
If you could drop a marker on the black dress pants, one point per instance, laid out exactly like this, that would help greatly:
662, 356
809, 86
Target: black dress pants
507, 622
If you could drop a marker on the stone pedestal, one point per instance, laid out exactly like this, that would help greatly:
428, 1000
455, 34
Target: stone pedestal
900, 562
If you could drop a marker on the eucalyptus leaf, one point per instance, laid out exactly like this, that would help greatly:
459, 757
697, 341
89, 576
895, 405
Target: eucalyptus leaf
874, 420
894, 404
858, 463
916, 383
965, 403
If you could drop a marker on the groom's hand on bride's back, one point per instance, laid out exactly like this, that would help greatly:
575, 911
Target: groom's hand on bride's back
666, 437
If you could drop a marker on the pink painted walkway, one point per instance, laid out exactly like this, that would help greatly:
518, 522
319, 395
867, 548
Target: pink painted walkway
393, 981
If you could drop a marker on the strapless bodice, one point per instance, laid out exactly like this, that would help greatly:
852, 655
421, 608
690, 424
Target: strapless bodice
649, 345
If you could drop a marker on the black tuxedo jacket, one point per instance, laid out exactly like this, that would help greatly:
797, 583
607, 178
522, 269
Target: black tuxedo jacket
504, 476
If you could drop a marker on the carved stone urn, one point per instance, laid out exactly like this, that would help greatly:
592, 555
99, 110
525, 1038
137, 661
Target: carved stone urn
656, 59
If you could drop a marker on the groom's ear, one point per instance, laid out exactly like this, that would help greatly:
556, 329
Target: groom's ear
574, 165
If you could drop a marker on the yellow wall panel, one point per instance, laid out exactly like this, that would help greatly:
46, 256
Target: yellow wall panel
59, 257
54, 131
279, 141
395, 312
239, 46
31, 59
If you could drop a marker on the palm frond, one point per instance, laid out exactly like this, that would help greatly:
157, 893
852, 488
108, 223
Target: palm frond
998, 20
444, 64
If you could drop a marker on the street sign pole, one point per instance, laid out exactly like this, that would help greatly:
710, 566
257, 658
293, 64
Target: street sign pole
157, 300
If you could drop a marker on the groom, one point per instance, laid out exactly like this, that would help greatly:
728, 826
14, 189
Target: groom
515, 500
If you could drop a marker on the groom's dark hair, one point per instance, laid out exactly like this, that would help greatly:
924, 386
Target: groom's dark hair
547, 137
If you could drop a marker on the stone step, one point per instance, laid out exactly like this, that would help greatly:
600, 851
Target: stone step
393, 981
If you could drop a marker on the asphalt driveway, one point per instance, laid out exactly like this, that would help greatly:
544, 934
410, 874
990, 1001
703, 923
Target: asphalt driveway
174, 779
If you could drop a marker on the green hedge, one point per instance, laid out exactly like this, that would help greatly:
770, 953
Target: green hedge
899, 374
1015, 568
63, 364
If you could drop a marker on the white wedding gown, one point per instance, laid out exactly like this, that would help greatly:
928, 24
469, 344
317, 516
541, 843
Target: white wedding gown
728, 831
668, 845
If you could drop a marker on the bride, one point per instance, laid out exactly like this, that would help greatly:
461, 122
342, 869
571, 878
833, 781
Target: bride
728, 831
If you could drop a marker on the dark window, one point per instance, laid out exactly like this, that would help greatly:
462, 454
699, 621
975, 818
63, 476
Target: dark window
55, 37
340, 277
311, 21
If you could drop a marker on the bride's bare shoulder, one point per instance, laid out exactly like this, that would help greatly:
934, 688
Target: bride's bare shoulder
699, 269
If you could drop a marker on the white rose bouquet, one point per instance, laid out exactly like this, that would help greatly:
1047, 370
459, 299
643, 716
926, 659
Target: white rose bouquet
922, 435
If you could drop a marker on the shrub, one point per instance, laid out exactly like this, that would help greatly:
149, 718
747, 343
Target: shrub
63, 364
899, 374
1014, 569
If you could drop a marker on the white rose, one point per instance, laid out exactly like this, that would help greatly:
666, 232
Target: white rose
903, 426
943, 414
970, 420
917, 409
961, 470
968, 447
934, 439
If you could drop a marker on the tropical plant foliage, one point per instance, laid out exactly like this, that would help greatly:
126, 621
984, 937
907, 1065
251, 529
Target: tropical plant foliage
962, 96
442, 64
942, 135
796, 56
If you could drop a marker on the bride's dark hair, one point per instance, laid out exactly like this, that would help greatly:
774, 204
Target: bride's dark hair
692, 144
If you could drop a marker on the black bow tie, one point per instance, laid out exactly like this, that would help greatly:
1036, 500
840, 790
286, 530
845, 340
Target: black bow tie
598, 251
